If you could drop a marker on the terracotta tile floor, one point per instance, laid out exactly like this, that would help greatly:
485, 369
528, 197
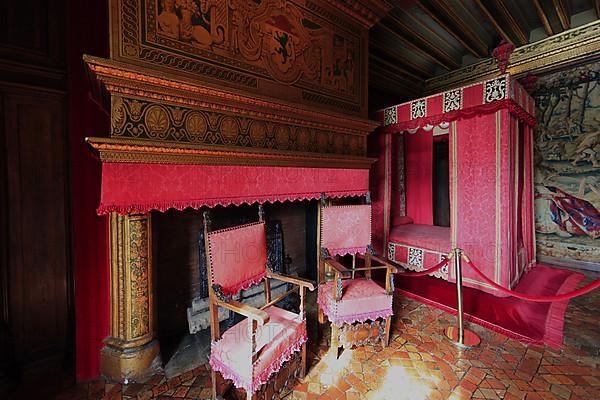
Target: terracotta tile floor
421, 364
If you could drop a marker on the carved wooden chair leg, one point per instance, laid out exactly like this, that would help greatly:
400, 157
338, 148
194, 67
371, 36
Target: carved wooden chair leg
386, 336
335, 341
321, 317
213, 376
303, 366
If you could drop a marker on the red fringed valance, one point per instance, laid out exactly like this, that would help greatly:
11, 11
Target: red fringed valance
139, 188
503, 92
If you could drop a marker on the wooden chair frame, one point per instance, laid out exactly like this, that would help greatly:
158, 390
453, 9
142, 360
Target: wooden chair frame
257, 316
341, 272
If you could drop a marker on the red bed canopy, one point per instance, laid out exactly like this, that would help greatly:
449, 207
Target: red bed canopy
491, 172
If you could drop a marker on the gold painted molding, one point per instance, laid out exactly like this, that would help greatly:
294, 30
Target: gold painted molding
111, 78
146, 151
566, 48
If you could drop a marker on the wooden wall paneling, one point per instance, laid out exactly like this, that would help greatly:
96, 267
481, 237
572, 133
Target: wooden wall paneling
37, 263
6, 357
32, 32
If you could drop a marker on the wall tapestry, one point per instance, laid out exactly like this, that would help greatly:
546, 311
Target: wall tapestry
567, 164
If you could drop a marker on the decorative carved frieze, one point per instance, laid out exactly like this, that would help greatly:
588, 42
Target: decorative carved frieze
142, 119
554, 52
315, 49
210, 124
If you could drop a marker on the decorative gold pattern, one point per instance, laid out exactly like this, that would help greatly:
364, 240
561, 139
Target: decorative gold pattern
148, 151
139, 276
131, 282
548, 54
143, 119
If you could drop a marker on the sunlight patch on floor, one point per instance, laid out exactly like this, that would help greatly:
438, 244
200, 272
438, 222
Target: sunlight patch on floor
399, 383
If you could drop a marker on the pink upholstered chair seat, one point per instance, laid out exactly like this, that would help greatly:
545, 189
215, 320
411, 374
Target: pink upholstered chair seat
362, 299
276, 342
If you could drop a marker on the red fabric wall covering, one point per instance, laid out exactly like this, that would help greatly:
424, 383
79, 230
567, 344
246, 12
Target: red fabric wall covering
87, 33
139, 188
419, 175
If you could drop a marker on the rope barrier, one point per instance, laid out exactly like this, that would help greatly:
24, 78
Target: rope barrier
431, 270
522, 296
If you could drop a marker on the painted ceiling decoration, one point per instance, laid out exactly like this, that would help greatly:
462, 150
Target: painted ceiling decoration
427, 46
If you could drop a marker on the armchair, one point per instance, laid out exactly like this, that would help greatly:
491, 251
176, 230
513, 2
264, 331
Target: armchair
270, 340
358, 308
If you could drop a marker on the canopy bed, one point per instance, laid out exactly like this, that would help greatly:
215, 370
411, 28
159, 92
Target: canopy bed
488, 126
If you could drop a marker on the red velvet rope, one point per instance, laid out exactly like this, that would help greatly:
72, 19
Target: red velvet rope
431, 270
537, 299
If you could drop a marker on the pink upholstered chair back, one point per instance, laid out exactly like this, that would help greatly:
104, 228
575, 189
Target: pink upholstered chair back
346, 229
238, 257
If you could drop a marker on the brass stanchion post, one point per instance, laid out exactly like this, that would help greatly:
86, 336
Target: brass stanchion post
459, 335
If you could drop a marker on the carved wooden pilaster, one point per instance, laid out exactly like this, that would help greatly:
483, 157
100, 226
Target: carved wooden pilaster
131, 347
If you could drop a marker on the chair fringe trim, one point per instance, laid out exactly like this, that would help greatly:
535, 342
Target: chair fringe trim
257, 382
350, 319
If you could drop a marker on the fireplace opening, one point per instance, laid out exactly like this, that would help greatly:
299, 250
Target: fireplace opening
181, 281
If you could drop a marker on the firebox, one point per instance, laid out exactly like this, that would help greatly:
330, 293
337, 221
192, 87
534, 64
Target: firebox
183, 319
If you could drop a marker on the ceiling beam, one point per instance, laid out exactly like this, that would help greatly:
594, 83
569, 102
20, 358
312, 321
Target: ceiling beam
495, 24
441, 53
416, 21
475, 52
563, 16
393, 67
401, 59
385, 72
544, 18
416, 49
512, 23
474, 43
390, 85
398, 96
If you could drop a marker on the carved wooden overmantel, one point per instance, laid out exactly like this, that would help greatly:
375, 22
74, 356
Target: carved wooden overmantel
311, 52
159, 110
235, 82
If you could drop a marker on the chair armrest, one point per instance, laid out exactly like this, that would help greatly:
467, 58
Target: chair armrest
310, 285
338, 267
386, 262
246, 310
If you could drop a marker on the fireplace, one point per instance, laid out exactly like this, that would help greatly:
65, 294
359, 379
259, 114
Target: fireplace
227, 123
159, 174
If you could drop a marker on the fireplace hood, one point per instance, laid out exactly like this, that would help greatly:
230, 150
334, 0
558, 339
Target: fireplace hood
178, 144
